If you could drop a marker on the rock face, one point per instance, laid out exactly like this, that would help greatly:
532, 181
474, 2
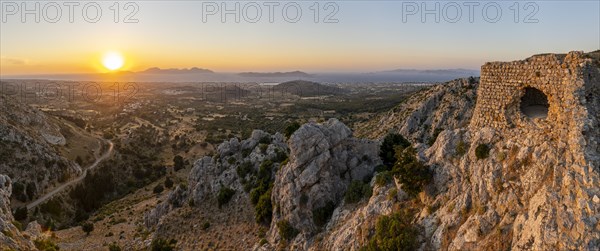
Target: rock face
324, 159
29, 140
446, 106
536, 190
10, 236
210, 174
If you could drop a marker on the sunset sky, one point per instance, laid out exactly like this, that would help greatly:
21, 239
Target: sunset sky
369, 36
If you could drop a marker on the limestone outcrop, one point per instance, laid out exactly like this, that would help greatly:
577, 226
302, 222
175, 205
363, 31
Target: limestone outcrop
324, 159
10, 236
501, 180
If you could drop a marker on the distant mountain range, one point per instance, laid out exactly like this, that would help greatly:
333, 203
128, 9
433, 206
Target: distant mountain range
193, 70
293, 74
196, 74
439, 72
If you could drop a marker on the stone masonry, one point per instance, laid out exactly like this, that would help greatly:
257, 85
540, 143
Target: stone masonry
566, 80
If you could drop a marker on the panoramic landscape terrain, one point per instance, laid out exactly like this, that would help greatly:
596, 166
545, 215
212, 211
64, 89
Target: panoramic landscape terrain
290, 134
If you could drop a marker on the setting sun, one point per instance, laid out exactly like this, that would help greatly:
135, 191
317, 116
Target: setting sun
113, 61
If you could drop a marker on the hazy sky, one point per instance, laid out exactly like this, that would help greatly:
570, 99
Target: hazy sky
368, 35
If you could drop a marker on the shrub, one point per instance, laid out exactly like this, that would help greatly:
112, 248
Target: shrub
286, 230
434, 136
321, 215
168, 183
264, 171
163, 245
263, 147
206, 225
263, 211
501, 156
356, 191
461, 148
45, 245
411, 172
231, 160
260, 193
392, 194
158, 189
394, 232
279, 156
225, 195
387, 149
381, 168
18, 225
482, 151
178, 163
291, 129
383, 178
21, 213
114, 247
256, 192
262, 242
244, 169
246, 152
265, 140
87, 227
303, 199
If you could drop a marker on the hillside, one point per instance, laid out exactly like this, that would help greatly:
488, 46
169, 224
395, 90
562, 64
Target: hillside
462, 186
307, 88
456, 166
40, 151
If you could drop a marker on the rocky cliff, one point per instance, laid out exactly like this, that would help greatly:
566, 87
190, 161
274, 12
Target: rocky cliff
38, 150
324, 159
531, 186
11, 237
426, 113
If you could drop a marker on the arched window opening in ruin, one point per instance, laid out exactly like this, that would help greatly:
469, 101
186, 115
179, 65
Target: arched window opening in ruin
534, 104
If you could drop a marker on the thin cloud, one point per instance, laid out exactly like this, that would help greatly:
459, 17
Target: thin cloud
14, 61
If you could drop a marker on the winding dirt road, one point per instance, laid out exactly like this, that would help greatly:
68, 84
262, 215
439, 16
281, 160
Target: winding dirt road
78, 179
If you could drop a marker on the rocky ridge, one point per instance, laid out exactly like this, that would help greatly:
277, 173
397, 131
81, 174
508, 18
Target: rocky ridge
519, 188
444, 106
11, 237
33, 146
324, 159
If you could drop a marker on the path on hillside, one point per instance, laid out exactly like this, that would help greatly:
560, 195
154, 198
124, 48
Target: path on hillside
78, 179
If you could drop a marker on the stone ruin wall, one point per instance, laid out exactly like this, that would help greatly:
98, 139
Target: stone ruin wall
565, 79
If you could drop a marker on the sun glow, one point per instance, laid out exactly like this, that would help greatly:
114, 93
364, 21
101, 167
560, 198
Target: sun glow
113, 61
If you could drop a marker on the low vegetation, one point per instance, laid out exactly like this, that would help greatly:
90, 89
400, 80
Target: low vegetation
291, 129
114, 247
482, 151
168, 182
461, 148
322, 214
45, 245
225, 195
387, 150
356, 191
21, 213
158, 189
286, 230
163, 245
383, 178
412, 174
260, 185
87, 227
394, 232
